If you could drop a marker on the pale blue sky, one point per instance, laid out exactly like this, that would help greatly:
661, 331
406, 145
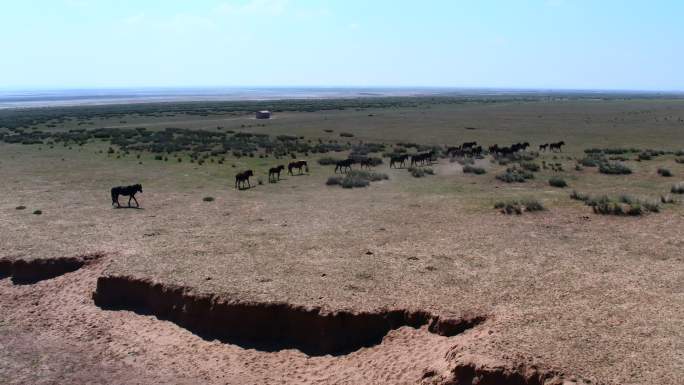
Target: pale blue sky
578, 44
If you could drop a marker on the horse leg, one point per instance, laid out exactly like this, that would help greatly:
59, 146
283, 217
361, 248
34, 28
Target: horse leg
129, 200
136, 201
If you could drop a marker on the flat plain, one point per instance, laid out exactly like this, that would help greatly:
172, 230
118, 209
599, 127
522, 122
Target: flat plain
408, 280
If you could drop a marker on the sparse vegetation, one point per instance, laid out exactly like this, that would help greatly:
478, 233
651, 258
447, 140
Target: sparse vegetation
614, 168
557, 182
515, 174
38, 212
664, 172
677, 188
518, 206
208, 199
468, 169
356, 178
21, 207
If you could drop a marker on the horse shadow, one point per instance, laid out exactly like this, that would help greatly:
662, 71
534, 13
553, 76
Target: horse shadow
128, 207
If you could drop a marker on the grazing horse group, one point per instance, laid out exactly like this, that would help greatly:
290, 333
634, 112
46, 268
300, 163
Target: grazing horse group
465, 149
556, 146
398, 160
128, 191
508, 150
422, 158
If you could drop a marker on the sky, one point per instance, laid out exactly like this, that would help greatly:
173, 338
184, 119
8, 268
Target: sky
547, 44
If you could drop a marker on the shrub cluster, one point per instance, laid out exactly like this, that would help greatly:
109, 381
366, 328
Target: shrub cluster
468, 169
518, 206
515, 174
356, 178
664, 172
557, 182
419, 172
614, 168
677, 188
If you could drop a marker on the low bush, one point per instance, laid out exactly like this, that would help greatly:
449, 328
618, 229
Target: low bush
677, 188
515, 174
419, 172
356, 178
468, 169
21, 207
518, 206
590, 161
346, 134
668, 199
664, 172
529, 166
614, 168
38, 212
557, 182
208, 199
328, 161
578, 196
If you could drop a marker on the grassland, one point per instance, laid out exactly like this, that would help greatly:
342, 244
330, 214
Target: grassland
563, 289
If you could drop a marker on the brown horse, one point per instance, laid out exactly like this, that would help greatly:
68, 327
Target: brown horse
129, 191
243, 177
299, 165
274, 173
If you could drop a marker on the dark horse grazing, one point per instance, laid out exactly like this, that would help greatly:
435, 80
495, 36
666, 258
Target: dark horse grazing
344, 165
129, 191
398, 160
243, 177
543, 147
274, 173
298, 165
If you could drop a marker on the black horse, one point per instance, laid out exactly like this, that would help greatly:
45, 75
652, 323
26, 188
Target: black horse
398, 160
543, 147
299, 165
344, 165
129, 191
243, 177
274, 173
556, 146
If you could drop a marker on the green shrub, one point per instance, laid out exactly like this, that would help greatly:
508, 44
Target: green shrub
334, 181
518, 206
590, 161
515, 174
208, 199
533, 205
529, 166
677, 188
614, 168
38, 212
21, 207
667, 199
354, 181
468, 169
557, 182
346, 134
416, 172
579, 196
664, 172
356, 178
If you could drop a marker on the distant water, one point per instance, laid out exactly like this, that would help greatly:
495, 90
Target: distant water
76, 97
